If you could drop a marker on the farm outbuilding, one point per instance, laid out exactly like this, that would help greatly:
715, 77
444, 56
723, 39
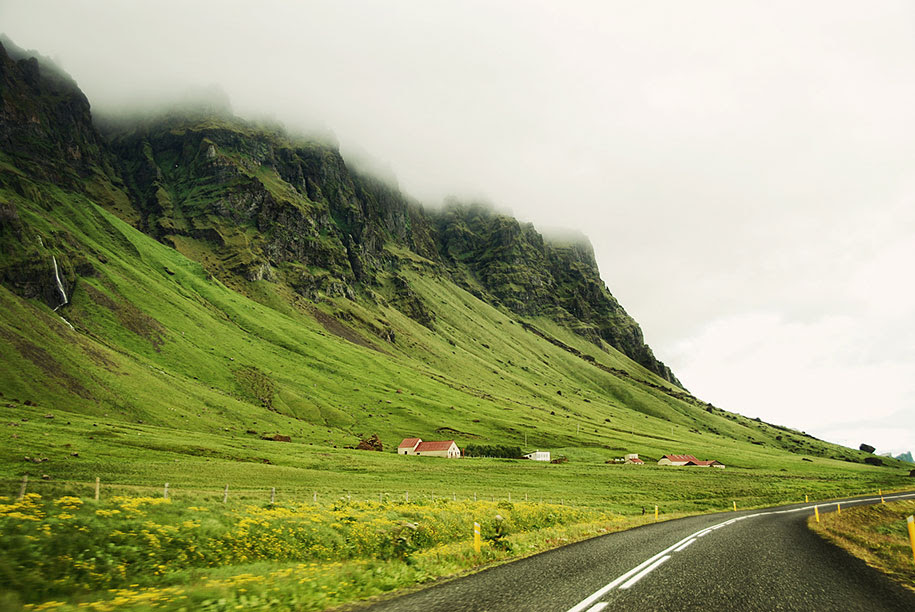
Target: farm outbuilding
676, 459
688, 460
633, 459
711, 463
538, 455
415, 446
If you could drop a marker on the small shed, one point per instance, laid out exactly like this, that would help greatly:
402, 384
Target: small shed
538, 455
633, 459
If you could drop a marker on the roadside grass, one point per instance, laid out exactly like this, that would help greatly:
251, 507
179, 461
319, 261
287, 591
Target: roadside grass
876, 534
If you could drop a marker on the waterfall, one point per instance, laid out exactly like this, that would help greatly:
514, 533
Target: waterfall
60, 286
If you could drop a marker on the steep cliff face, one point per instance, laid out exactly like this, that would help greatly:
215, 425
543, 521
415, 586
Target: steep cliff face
45, 123
533, 276
251, 203
268, 206
46, 138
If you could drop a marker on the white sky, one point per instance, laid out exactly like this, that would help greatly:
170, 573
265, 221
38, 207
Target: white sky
745, 170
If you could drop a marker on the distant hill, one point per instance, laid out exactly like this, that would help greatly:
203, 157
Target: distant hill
907, 456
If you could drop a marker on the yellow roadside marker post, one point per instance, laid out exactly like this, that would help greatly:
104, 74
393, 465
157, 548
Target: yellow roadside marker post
806, 499
911, 522
735, 505
816, 512
477, 540
655, 513
838, 508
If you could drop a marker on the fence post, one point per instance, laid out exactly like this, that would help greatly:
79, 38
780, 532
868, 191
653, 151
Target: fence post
314, 496
272, 495
98, 484
25, 482
406, 496
165, 492
225, 494
509, 496
477, 541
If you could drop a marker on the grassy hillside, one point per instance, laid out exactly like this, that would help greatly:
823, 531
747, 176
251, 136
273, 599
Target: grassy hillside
168, 374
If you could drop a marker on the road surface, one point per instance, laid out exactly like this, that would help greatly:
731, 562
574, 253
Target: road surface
743, 561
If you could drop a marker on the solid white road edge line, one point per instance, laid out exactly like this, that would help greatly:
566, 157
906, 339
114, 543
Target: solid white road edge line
598, 607
645, 572
681, 547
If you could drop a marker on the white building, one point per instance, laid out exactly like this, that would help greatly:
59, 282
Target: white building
538, 456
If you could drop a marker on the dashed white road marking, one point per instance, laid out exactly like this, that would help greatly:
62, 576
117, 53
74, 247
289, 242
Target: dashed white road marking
643, 569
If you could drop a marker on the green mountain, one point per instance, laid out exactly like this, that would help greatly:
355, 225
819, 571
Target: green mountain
182, 286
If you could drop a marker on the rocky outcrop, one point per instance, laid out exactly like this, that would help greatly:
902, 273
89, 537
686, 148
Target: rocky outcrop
533, 276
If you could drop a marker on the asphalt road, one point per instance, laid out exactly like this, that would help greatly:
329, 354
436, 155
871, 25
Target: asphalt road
741, 561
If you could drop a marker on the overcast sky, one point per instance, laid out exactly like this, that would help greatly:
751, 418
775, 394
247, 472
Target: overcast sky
744, 170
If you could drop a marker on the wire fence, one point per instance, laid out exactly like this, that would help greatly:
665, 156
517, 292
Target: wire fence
258, 495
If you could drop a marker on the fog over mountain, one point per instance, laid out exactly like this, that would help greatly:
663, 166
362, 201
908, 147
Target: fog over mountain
744, 173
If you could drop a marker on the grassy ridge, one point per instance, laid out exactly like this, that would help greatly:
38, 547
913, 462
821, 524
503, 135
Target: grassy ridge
876, 534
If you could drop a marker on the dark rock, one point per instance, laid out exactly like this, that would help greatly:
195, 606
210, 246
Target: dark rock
873, 460
867, 448
372, 443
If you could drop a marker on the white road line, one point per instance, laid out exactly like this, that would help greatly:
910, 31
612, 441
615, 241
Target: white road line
644, 568
645, 572
678, 549
583, 604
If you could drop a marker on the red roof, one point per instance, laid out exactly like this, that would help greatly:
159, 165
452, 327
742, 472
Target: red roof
636, 460
702, 463
426, 447
410, 442
681, 458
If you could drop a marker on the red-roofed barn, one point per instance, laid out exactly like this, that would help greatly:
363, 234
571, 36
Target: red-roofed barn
415, 446
676, 459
